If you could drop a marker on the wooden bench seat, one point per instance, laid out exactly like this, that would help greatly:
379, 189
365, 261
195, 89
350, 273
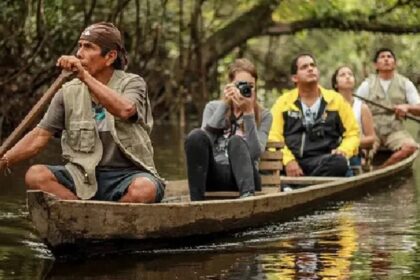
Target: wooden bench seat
270, 164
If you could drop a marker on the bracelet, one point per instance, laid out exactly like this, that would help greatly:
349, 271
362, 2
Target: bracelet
6, 160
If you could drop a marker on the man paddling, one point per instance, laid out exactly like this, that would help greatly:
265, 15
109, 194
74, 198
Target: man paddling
391, 89
105, 118
318, 126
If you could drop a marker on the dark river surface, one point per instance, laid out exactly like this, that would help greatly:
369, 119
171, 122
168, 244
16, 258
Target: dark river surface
376, 236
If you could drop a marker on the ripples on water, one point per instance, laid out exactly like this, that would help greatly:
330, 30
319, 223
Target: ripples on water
21, 252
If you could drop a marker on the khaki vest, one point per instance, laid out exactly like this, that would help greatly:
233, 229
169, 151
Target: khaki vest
385, 121
80, 140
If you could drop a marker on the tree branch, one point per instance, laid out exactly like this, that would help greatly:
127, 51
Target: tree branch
121, 4
238, 31
398, 4
277, 29
29, 63
88, 14
40, 20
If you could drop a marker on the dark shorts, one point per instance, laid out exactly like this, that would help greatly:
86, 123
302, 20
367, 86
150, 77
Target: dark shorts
112, 184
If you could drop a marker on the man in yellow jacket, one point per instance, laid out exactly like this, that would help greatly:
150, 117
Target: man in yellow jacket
317, 126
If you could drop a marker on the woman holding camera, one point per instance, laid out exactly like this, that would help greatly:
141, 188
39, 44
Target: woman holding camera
222, 155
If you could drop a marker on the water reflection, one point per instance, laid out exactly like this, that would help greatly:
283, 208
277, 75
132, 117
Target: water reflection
168, 141
375, 237
192, 266
325, 253
21, 252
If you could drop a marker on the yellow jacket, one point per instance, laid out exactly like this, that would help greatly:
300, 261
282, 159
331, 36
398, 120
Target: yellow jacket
287, 127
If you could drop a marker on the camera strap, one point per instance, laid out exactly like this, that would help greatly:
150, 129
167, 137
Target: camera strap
234, 123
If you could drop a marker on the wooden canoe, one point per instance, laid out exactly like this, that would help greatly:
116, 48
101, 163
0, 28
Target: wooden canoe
63, 224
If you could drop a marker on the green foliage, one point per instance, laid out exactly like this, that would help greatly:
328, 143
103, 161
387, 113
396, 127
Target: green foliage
167, 47
290, 10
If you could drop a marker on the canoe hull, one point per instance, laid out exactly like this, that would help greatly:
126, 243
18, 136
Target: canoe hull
66, 223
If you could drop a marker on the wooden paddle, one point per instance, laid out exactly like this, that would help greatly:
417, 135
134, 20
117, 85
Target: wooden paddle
35, 112
389, 109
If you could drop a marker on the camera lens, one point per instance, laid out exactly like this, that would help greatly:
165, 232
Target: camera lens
244, 88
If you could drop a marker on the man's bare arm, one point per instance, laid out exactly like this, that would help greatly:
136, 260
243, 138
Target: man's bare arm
414, 109
30, 145
401, 110
116, 104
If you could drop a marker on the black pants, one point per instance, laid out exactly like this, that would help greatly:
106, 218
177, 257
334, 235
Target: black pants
324, 165
205, 174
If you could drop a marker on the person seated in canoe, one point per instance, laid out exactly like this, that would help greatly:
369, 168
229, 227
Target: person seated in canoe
389, 88
222, 155
105, 118
317, 125
343, 81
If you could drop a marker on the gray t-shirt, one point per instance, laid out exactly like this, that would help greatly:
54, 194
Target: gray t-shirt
113, 157
256, 137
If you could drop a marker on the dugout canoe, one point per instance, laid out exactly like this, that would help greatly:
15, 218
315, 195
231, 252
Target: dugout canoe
64, 224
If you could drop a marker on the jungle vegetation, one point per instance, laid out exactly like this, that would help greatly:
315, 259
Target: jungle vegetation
182, 47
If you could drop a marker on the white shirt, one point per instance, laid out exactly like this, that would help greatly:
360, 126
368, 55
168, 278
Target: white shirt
310, 112
357, 110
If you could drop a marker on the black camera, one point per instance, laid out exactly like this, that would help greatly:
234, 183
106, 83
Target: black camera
244, 88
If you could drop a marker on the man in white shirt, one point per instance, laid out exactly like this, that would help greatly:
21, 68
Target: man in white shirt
389, 88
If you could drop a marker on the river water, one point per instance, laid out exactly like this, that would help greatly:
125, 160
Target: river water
372, 237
